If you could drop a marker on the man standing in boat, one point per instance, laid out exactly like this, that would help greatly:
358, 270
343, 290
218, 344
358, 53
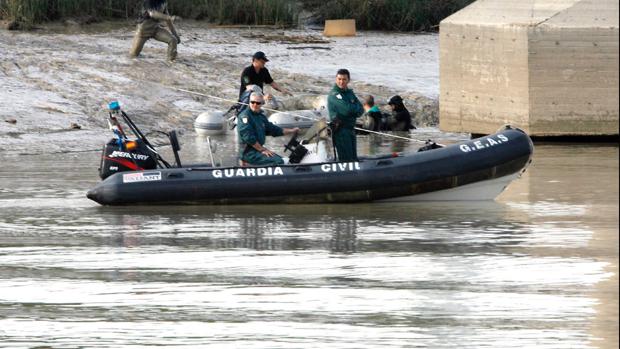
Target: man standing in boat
344, 108
258, 74
155, 12
253, 127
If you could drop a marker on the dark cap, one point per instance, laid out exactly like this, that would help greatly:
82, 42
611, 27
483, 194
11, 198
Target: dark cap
260, 55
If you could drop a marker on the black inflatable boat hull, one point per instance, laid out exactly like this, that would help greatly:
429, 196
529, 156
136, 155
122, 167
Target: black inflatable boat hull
460, 168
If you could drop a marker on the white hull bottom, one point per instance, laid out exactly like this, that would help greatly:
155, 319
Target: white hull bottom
479, 191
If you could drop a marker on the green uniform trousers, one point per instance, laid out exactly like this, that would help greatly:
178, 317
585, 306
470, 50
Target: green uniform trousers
150, 29
253, 157
346, 144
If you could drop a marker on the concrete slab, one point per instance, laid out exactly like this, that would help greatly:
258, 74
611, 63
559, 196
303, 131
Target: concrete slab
549, 67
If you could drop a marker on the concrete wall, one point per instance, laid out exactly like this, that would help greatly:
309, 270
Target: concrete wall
552, 73
573, 81
509, 12
483, 78
573, 59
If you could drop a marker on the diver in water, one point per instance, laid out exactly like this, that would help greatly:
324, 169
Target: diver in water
154, 14
400, 119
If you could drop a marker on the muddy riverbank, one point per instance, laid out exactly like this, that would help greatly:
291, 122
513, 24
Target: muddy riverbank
56, 81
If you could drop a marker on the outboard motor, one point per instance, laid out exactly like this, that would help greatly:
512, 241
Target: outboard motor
122, 156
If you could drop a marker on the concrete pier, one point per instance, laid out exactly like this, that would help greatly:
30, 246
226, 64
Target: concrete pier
549, 67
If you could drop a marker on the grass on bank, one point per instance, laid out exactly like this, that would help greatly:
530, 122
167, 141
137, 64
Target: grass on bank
251, 12
398, 15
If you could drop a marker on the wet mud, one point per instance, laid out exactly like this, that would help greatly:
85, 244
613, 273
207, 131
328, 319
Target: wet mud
56, 81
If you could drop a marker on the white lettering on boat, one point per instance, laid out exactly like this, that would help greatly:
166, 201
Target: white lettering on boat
484, 143
248, 172
341, 167
142, 177
122, 154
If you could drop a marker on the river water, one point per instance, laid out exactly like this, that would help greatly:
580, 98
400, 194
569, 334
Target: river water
535, 269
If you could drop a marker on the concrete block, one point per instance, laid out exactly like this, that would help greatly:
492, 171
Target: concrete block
557, 75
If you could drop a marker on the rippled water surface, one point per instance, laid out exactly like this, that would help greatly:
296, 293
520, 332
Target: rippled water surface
535, 269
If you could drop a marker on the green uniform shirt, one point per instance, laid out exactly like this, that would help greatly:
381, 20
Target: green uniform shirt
374, 109
254, 127
344, 105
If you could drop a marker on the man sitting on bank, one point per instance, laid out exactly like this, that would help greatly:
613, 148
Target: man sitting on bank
253, 127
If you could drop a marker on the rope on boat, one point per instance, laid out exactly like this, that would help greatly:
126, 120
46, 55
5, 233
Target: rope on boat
293, 114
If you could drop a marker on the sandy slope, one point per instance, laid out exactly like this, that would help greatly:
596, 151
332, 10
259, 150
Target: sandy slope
54, 77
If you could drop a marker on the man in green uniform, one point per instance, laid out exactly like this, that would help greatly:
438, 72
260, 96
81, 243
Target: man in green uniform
344, 108
155, 12
253, 127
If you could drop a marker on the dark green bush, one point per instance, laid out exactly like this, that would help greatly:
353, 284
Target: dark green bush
399, 15
257, 12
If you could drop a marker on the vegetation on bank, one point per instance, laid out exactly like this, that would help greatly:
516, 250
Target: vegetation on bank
400, 15
253, 12
395, 15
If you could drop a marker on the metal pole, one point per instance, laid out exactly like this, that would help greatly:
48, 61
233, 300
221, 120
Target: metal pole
210, 151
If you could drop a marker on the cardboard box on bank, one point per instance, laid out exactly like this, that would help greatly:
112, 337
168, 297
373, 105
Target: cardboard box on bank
340, 27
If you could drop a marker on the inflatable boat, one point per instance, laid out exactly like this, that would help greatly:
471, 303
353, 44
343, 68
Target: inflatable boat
479, 169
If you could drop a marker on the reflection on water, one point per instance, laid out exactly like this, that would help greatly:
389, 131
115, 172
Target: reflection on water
536, 269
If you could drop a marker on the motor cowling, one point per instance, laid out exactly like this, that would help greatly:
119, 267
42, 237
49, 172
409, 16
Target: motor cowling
126, 156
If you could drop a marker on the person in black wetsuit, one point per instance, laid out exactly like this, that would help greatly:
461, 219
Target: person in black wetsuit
400, 119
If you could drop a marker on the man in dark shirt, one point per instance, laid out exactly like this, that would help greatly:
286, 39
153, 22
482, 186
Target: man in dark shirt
257, 74
401, 118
